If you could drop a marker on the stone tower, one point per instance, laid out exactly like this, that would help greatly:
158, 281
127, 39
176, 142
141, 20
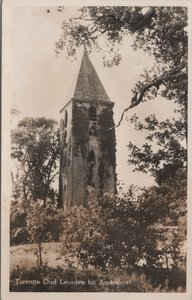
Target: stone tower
87, 144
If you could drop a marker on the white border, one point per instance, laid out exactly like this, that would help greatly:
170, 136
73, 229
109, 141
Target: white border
5, 154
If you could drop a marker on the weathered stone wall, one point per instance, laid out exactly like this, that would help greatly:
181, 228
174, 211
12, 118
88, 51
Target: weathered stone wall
87, 152
107, 174
65, 178
80, 145
101, 175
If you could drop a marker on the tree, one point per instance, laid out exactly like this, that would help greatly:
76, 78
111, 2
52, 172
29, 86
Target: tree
142, 231
18, 214
167, 161
160, 31
35, 145
43, 224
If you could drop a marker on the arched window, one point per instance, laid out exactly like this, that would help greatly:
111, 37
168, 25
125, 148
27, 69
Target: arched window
92, 131
92, 157
66, 118
92, 113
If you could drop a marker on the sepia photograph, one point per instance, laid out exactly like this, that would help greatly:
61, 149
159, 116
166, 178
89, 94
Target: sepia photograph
95, 143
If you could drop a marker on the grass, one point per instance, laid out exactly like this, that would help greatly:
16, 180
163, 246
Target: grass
55, 276
24, 256
60, 280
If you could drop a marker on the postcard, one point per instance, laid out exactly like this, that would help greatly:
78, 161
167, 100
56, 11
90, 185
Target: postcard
96, 149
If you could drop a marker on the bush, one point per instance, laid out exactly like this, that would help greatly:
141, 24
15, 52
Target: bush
44, 224
18, 231
110, 234
115, 232
31, 221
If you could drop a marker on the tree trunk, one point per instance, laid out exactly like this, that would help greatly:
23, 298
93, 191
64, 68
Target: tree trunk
40, 254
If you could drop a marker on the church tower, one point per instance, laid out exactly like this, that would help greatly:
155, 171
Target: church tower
87, 140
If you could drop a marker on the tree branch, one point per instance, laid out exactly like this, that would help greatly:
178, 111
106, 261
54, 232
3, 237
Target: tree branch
156, 83
145, 19
87, 19
93, 37
50, 179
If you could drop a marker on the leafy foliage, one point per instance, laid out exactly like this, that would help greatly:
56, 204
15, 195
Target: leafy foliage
159, 31
167, 160
107, 144
146, 231
162, 33
116, 235
94, 22
35, 145
18, 231
119, 232
80, 129
43, 224
167, 41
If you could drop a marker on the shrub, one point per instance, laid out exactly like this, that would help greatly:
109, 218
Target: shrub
117, 232
18, 231
43, 224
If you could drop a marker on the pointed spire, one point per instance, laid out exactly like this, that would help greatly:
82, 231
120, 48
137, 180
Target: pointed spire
89, 86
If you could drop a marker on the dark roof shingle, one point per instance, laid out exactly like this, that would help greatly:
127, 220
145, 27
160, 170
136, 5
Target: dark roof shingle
89, 86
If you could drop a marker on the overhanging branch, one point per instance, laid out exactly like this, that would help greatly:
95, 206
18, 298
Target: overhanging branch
137, 98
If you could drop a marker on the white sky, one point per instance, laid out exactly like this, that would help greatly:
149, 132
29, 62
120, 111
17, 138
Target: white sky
41, 81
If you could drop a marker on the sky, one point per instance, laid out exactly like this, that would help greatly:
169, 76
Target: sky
41, 80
